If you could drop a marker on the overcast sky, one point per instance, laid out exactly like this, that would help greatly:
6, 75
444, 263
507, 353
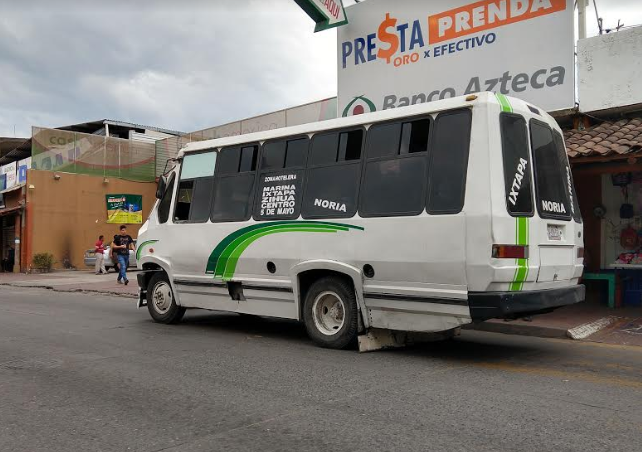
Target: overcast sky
183, 65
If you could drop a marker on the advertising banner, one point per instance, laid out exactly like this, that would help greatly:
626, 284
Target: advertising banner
125, 209
23, 166
10, 172
394, 54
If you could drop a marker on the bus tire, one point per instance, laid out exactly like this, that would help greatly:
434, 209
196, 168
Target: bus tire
330, 313
161, 302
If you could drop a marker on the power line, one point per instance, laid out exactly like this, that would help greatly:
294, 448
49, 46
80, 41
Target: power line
597, 16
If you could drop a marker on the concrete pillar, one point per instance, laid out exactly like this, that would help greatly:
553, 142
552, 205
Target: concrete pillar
18, 230
581, 19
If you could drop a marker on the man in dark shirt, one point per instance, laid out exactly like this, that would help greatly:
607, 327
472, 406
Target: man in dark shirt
122, 244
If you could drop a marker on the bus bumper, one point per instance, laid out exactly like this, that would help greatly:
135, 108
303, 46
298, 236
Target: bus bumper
511, 305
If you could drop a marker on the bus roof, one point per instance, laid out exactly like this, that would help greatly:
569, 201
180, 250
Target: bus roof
351, 121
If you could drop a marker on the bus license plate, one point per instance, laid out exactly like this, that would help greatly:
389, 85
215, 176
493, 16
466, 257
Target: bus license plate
554, 232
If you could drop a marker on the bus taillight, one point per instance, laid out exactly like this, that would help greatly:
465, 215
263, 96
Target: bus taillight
510, 251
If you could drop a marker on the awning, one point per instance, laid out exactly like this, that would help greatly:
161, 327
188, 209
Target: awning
15, 187
4, 212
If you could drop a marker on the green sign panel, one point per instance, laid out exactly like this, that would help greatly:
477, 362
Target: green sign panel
326, 13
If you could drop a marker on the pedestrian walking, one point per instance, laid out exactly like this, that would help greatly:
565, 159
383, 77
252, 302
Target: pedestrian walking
122, 244
99, 252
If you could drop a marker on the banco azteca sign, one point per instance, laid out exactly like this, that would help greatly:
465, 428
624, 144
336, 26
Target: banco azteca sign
404, 52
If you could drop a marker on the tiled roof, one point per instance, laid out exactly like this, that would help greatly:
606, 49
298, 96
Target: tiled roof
608, 138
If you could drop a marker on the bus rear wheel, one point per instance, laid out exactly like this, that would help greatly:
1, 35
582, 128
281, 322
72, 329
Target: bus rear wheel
330, 313
161, 303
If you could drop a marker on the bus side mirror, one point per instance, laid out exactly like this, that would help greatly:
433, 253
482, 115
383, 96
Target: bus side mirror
162, 186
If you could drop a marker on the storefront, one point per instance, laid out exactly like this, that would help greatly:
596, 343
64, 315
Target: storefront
11, 215
607, 169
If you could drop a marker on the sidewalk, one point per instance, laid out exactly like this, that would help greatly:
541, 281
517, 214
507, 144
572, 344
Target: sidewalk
589, 321
74, 281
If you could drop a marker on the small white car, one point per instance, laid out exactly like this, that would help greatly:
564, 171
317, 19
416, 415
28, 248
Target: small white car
90, 258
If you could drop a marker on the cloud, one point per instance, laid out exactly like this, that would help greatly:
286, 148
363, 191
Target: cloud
180, 65
180, 68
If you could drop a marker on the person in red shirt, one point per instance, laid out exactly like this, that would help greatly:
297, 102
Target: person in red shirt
99, 249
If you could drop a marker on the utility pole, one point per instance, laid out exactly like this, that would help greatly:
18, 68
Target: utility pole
581, 18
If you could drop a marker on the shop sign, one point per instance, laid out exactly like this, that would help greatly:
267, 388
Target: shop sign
23, 166
394, 54
326, 13
10, 174
124, 209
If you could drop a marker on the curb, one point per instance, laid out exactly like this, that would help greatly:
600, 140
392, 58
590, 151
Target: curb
88, 291
522, 329
588, 329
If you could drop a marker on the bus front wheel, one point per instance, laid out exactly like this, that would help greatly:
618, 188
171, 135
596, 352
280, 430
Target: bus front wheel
330, 313
161, 302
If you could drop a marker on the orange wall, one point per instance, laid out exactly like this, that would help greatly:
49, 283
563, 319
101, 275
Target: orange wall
66, 216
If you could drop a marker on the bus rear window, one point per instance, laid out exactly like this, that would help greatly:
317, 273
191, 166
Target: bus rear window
517, 165
550, 177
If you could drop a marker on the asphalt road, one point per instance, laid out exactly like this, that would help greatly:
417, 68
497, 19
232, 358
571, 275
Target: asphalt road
90, 373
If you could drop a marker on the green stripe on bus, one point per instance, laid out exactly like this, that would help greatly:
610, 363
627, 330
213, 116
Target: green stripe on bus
141, 246
521, 238
229, 264
504, 103
223, 259
228, 251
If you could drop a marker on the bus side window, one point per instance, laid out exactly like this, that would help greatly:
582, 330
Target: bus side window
234, 184
333, 174
281, 179
195, 187
449, 162
166, 201
394, 178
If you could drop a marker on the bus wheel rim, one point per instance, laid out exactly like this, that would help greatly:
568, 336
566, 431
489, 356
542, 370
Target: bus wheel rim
162, 297
328, 313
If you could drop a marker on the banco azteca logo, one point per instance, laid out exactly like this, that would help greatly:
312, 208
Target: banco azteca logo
358, 106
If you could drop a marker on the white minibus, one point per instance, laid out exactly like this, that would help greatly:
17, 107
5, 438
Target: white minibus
418, 219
